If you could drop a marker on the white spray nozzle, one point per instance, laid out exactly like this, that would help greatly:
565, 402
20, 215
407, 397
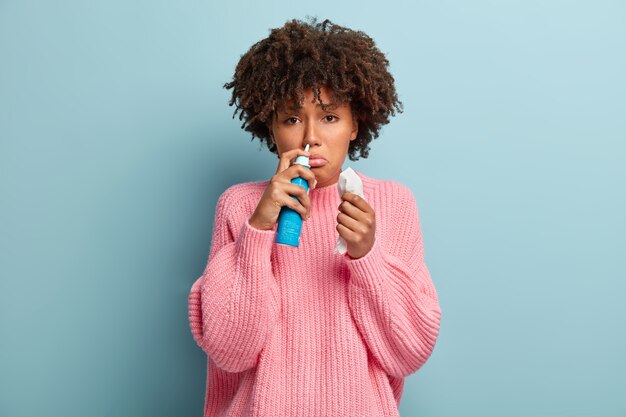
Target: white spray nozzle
303, 159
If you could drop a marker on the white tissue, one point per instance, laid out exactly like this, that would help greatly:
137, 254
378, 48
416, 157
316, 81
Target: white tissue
349, 181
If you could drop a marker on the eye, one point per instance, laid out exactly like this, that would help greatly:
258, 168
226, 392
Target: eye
330, 115
288, 120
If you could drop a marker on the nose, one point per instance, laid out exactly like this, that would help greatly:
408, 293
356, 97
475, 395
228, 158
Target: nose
311, 136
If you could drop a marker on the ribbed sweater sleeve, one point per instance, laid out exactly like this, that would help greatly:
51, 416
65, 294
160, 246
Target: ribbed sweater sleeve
391, 295
234, 305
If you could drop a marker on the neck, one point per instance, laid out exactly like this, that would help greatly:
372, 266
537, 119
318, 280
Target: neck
331, 181
328, 189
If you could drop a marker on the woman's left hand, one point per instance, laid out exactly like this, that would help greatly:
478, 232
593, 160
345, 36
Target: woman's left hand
356, 224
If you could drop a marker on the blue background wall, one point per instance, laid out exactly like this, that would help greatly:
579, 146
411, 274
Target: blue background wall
116, 141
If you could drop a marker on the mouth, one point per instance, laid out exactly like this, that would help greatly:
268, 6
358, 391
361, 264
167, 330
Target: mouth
317, 162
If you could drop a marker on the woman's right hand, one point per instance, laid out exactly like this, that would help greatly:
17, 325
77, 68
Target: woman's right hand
277, 193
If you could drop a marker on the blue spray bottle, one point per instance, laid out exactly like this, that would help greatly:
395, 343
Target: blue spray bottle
289, 220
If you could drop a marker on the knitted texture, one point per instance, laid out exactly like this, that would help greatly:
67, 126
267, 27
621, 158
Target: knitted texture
304, 331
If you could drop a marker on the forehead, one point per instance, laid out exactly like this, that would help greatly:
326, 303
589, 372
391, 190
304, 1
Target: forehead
326, 97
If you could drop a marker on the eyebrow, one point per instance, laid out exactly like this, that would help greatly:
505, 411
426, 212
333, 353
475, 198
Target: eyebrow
329, 106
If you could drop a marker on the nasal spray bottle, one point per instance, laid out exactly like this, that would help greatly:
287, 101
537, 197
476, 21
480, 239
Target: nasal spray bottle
289, 220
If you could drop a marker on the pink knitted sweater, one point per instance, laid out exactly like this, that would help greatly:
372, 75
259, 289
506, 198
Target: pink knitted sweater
306, 331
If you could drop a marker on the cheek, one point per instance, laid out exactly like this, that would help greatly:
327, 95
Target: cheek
341, 144
285, 141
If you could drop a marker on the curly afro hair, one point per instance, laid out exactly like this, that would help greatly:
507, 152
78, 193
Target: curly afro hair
302, 55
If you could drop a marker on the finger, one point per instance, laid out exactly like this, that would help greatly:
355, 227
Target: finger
352, 211
357, 201
292, 203
297, 194
296, 171
345, 233
300, 193
307, 174
350, 223
287, 157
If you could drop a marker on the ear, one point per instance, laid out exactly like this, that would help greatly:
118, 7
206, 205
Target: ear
355, 127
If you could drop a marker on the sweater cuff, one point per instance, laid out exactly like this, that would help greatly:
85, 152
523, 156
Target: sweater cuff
255, 243
367, 270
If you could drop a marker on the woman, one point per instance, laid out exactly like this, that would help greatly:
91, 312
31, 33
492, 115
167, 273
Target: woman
305, 331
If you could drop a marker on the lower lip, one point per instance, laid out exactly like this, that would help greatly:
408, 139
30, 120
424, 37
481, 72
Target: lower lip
314, 163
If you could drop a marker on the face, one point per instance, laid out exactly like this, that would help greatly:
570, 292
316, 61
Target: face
327, 132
